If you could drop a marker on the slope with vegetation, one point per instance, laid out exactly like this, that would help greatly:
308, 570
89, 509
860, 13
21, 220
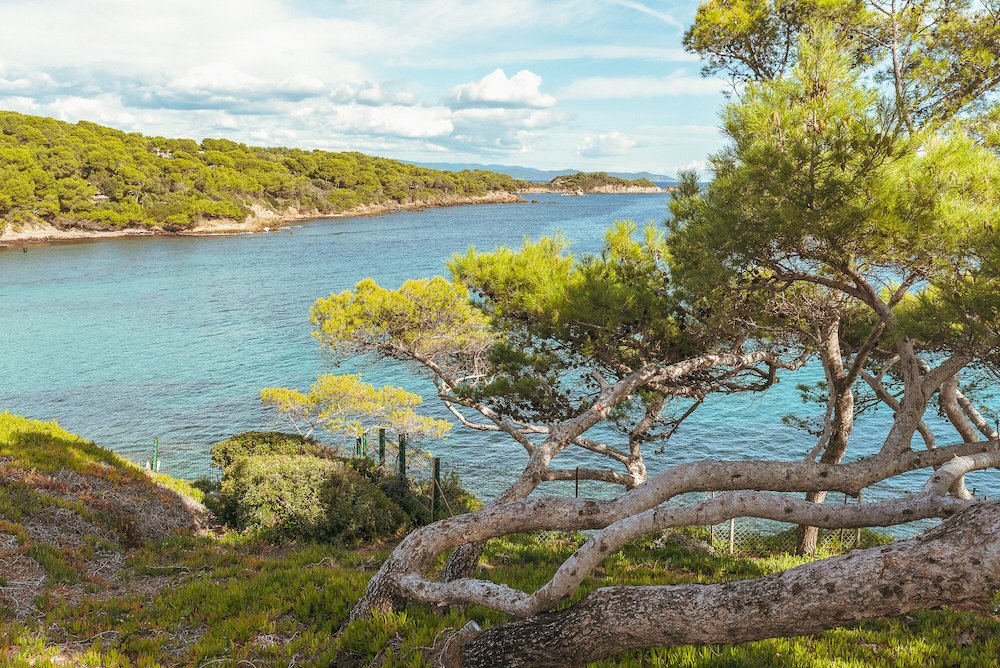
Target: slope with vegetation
71, 513
237, 596
87, 176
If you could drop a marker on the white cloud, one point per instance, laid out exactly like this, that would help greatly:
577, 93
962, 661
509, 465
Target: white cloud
374, 94
215, 78
302, 84
500, 130
222, 86
522, 118
606, 145
102, 109
150, 37
495, 89
19, 103
602, 88
15, 80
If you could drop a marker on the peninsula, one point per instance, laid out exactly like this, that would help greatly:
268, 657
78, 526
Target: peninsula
61, 180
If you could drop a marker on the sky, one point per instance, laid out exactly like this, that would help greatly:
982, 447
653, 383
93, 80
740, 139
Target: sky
551, 84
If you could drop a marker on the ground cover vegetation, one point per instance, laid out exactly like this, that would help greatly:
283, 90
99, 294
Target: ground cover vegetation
87, 175
188, 598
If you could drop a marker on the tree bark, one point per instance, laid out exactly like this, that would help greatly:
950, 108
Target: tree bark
463, 561
842, 424
955, 562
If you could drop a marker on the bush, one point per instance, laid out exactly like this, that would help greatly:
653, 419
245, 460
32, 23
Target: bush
264, 444
303, 496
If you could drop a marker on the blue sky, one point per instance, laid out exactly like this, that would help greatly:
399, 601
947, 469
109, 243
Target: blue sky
555, 84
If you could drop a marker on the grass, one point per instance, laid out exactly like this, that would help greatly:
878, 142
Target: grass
70, 509
230, 601
48, 448
234, 600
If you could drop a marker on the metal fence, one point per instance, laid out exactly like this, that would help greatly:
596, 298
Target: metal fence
436, 489
747, 536
427, 482
751, 535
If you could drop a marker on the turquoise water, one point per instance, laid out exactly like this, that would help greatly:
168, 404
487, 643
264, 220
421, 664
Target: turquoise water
125, 340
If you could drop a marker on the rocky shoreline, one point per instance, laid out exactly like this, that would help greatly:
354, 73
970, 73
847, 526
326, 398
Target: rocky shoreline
610, 189
261, 219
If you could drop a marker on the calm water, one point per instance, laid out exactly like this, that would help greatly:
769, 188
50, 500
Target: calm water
124, 340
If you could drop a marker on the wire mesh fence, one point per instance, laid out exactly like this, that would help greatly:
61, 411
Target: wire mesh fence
436, 488
430, 485
747, 536
755, 536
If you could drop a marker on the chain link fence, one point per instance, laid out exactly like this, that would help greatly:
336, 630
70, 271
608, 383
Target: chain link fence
746, 536
437, 488
430, 484
751, 536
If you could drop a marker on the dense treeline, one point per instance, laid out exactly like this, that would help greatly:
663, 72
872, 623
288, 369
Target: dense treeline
87, 175
588, 181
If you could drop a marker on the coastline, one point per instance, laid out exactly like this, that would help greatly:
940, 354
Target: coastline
261, 219
601, 190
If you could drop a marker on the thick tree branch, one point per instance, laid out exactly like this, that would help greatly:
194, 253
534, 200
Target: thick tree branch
885, 581
931, 502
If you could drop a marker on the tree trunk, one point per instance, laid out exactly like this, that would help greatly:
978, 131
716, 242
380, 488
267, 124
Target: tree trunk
462, 562
383, 592
843, 424
808, 537
954, 562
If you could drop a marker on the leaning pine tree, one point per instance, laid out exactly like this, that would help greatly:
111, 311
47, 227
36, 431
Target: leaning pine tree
937, 65
835, 230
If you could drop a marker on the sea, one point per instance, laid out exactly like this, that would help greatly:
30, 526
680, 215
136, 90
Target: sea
130, 340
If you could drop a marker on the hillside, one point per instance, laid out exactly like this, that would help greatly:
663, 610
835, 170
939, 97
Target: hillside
91, 177
601, 182
71, 513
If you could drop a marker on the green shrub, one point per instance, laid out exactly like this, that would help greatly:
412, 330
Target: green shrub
306, 497
265, 444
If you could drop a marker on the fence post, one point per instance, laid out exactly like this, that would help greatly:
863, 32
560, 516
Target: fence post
381, 446
842, 541
732, 536
857, 540
435, 486
402, 456
578, 482
711, 527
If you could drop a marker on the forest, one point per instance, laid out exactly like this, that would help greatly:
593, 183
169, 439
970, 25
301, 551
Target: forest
89, 176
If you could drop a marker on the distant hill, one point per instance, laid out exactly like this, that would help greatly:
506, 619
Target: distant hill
542, 175
601, 182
